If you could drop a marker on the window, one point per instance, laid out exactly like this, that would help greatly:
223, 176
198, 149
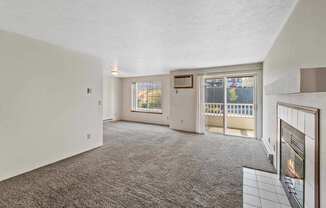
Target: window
146, 97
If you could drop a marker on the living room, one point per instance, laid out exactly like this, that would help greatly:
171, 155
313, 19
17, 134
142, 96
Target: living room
139, 104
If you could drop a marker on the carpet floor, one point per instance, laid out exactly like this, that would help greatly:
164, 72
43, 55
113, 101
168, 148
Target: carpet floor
142, 165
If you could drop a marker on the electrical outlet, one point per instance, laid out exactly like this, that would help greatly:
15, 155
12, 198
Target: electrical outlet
88, 136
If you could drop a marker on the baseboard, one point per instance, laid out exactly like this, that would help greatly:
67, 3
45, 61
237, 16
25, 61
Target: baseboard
268, 152
144, 122
188, 132
109, 119
165, 125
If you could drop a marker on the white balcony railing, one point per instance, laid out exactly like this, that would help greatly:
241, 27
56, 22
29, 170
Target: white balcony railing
233, 110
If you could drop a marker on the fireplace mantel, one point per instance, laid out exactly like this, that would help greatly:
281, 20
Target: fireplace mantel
305, 80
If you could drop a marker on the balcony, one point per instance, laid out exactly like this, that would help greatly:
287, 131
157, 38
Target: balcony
240, 119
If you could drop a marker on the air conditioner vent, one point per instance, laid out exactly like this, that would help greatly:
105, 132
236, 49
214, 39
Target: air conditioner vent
183, 81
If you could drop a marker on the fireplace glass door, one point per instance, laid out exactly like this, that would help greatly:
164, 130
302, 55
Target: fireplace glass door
292, 164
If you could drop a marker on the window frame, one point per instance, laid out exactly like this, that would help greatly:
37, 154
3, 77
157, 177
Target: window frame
134, 99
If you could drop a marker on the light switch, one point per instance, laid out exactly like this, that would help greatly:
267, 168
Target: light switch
89, 91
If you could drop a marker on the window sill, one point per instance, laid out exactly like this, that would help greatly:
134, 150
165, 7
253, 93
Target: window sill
149, 112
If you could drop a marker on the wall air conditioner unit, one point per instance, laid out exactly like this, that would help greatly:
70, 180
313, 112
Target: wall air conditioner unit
183, 81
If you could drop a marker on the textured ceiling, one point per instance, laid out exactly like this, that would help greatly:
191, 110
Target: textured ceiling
153, 36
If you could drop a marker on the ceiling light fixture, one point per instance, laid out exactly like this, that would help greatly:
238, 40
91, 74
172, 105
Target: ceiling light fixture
115, 71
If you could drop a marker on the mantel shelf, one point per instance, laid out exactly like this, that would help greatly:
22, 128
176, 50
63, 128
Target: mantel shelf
307, 80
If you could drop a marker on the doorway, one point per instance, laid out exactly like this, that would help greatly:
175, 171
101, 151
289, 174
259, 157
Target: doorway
230, 105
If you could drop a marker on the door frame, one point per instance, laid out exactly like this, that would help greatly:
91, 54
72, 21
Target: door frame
258, 101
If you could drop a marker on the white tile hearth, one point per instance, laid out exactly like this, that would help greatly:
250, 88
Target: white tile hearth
263, 190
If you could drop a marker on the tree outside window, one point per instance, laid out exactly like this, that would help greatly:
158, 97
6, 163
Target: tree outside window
147, 97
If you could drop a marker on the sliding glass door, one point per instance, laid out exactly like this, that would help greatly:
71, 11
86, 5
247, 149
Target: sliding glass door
214, 105
230, 105
240, 119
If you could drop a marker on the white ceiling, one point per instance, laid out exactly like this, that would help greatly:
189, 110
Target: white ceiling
153, 36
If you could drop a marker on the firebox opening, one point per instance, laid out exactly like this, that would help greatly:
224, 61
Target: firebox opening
292, 164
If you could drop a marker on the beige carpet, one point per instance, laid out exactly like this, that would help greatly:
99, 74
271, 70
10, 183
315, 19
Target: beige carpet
142, 166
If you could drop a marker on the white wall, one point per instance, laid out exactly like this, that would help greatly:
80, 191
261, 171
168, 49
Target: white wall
301, 43
112, 97
128, 115
183, 102
45, 112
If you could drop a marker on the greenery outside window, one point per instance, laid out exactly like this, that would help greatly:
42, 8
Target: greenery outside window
146, 97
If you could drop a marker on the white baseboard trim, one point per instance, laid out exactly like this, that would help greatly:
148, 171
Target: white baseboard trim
144, 122
109, 119
268, 151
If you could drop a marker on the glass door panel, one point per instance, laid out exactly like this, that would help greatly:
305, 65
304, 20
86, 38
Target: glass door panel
214, 105
240, 107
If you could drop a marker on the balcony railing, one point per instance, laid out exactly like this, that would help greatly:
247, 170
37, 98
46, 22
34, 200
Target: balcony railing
233, 110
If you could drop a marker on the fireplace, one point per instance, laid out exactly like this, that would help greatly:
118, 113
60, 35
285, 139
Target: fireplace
298, 154
292, 163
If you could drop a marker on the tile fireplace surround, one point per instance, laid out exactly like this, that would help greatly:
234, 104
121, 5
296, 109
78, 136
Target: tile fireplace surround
305, 120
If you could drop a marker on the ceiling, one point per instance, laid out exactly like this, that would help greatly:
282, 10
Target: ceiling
145, 37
